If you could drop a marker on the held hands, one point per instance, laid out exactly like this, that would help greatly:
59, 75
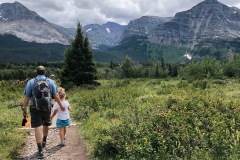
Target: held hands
62, 108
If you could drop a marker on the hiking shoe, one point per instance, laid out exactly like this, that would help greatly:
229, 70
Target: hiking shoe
61, 144
43, 144
40, 155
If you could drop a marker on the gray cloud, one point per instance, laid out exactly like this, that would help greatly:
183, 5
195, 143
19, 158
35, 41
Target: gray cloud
68, 13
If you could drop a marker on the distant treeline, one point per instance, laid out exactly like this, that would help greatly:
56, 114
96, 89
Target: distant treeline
23, 71
201, 69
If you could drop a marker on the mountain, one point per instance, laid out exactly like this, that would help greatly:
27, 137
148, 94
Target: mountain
209, 28
209, 19
143, 25
138, 29
27, 25
69, 32
104, 36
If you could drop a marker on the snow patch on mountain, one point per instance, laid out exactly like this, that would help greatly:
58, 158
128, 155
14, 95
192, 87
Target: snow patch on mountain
108, 30
88, 30
188, 55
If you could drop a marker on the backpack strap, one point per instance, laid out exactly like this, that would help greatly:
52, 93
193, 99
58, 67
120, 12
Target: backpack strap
47, 79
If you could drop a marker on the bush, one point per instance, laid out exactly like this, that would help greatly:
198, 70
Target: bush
136, 122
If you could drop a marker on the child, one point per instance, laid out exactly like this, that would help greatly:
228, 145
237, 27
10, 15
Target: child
63, 118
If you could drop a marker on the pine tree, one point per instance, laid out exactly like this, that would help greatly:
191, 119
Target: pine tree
79, 67
157, 72
127, 67
90, 66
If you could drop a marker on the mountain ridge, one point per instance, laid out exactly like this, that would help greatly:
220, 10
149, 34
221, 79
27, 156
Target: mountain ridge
18, 20
208, 19
208, 28
105, 35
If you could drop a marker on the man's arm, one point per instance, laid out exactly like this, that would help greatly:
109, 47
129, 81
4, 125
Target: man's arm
57, 99
25, 104
53, 114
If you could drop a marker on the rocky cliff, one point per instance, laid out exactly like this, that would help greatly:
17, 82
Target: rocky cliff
142, 26
105, 35
18, 20
209, 19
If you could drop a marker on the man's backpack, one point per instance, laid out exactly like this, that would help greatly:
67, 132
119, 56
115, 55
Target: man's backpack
42, 95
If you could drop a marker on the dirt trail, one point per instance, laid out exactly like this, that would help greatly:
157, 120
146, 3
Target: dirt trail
74, 149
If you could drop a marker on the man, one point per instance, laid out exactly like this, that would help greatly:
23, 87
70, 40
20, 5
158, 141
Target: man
39, 120
52, 76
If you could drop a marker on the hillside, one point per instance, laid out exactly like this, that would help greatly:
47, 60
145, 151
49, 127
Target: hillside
13, 49
208, 29
27, 25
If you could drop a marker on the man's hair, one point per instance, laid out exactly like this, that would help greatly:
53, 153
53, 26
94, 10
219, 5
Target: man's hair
52, 76
40, 70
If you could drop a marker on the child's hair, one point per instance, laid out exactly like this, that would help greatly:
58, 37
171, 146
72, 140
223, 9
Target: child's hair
61, 93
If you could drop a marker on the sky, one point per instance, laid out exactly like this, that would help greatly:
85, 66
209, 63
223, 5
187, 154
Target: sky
67, 13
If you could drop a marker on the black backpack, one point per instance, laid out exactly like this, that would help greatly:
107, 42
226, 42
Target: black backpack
42, 95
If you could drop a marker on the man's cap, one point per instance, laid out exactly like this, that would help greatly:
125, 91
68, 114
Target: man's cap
40, 70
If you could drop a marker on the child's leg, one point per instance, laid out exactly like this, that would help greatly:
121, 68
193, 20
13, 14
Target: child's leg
65, 130
61, 132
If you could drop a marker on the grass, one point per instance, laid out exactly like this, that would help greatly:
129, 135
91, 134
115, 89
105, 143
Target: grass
142, 119
11, 138
132, 119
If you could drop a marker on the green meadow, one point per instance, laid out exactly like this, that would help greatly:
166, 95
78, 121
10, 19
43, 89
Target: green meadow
142, 119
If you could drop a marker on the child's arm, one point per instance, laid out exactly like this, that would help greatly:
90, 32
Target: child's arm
53, 114
69, 108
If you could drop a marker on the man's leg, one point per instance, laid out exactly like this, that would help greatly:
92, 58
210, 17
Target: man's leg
38, 137
45, 134
38, 134
45, 131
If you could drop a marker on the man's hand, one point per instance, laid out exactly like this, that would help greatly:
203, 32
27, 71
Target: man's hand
24, 111
57, 99
62, 108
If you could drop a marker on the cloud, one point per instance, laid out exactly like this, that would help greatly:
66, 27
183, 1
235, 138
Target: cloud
68, 13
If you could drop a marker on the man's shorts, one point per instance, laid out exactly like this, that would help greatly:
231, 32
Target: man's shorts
62, 123
40, 118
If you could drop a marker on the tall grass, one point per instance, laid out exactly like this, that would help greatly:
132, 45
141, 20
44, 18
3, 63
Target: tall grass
160, 119
142, 119
11, 138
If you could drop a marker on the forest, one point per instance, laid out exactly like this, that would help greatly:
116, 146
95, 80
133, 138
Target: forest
206, 68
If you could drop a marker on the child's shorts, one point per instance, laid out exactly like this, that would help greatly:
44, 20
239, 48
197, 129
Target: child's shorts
62, 123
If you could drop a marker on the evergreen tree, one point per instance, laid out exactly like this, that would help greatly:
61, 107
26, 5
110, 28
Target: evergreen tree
127, 67
79, 67
111, 65
90, 66
157, 72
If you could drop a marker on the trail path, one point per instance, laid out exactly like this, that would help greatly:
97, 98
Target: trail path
74, 149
